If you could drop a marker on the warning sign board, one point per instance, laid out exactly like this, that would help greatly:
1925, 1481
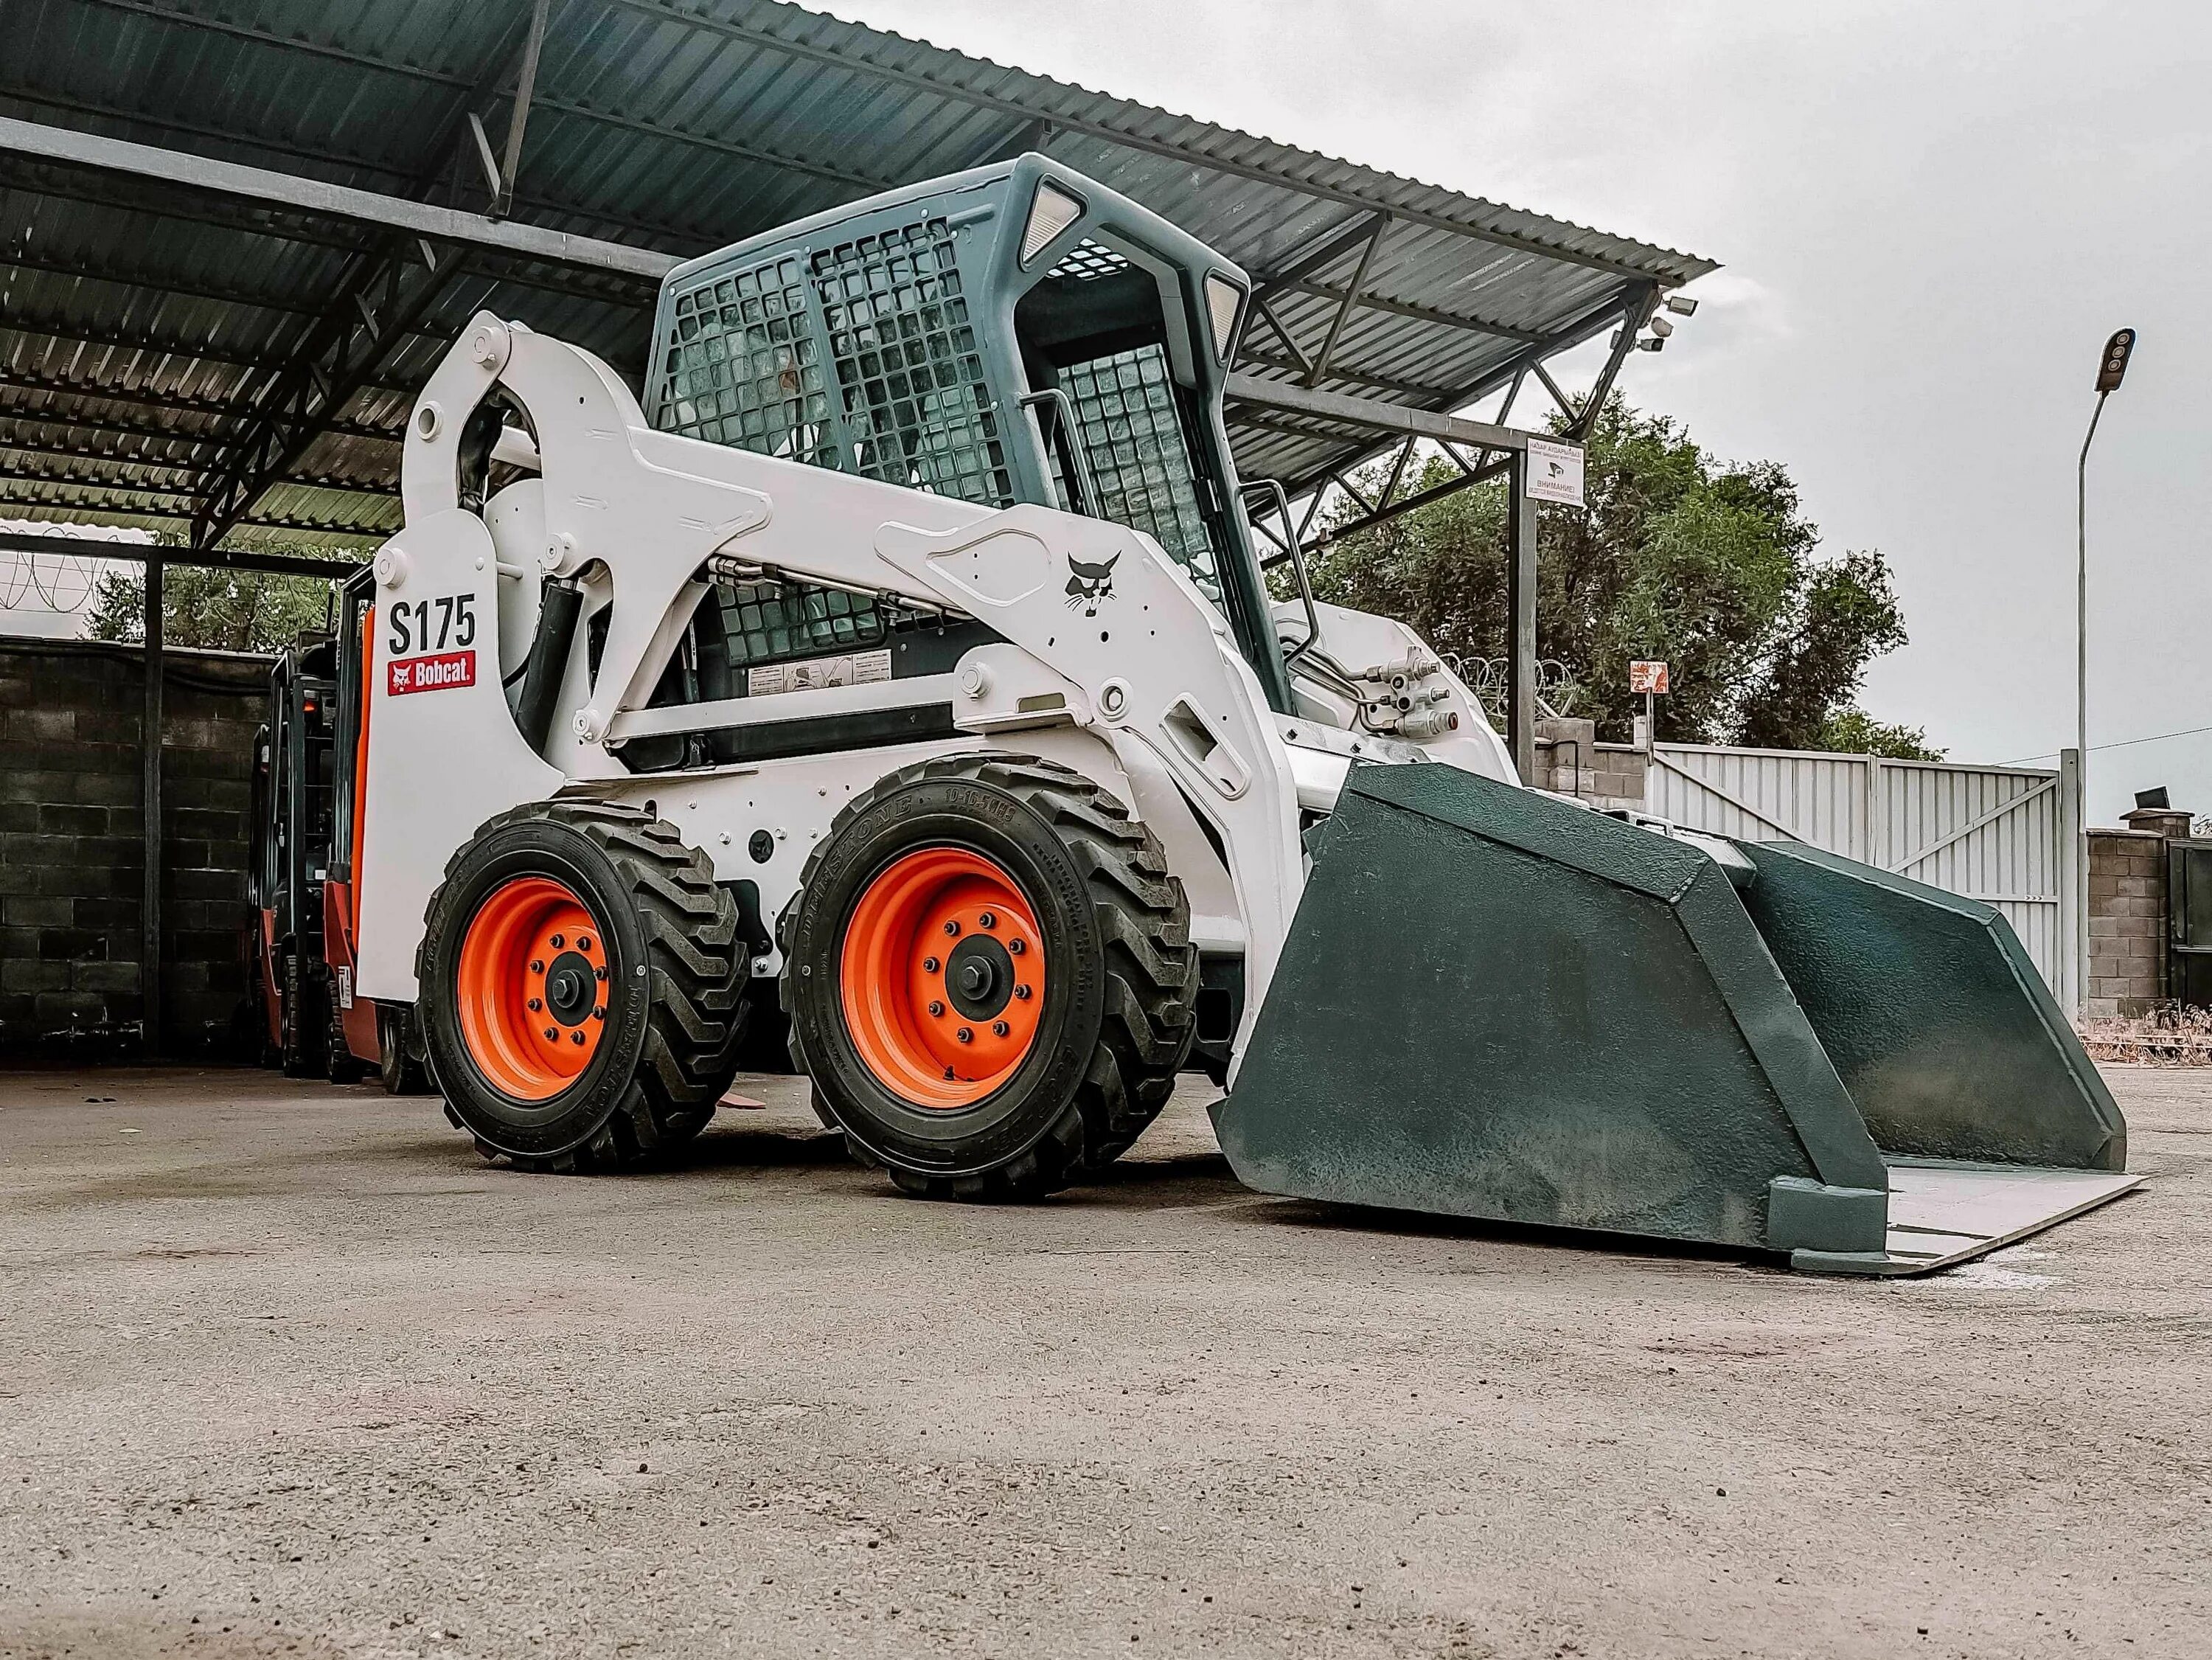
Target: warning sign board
1555, 472
1647, 677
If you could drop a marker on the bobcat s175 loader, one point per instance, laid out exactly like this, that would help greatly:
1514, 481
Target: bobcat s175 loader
903, 670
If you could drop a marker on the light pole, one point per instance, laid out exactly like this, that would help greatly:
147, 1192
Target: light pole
2111, 368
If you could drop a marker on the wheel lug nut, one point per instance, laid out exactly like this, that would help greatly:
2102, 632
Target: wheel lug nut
598, 1014
552, 1036
951, 926
599, 973
1017, 946
986, 920
576, 1037
964, 1035
537, 966
1022, 992
997, 1028
937, 1011
536, 1004
557, 942
929, 965
583, 942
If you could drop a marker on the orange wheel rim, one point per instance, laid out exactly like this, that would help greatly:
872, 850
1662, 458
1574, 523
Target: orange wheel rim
532, 988
943, 977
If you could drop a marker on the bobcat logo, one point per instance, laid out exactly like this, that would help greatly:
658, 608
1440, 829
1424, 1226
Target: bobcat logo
1091, 586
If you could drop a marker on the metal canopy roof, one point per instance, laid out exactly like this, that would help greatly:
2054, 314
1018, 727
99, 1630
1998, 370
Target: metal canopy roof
183, 347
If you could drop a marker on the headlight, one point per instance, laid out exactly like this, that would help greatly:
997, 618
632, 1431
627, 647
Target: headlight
1052, 212
1223, 297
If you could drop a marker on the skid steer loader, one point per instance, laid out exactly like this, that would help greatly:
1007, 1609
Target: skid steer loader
902, 669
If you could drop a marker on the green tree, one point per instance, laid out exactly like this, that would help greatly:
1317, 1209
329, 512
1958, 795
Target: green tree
1854, 732
1713, 566
214, 610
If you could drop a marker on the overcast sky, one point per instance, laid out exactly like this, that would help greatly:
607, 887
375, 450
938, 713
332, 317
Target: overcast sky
1931, 214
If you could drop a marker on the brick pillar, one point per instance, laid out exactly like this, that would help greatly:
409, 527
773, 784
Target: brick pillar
2127, 918
1567, 755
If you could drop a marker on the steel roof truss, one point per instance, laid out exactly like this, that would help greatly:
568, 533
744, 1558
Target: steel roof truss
380, 301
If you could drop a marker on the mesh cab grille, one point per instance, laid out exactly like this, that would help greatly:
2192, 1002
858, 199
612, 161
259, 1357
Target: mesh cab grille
743, 366
1133, 436
772, 622
915, 398
1087, 261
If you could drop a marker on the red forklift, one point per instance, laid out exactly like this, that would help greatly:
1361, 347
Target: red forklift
309, 758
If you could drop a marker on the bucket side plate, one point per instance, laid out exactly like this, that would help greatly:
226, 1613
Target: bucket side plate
1495, 1005
1935, 1017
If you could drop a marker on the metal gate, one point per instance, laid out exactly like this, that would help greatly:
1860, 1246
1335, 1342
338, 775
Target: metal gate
2189, 923
2006, 836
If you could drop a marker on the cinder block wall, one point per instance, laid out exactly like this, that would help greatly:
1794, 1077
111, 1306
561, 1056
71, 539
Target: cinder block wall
72, 867
1570, 760
2127, 912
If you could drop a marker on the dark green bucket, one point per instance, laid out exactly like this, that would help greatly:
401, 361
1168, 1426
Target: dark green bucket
1495, 1004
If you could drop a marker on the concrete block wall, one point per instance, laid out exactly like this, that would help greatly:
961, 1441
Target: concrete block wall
1570, 760
2127, 922
2128, 927
72, 847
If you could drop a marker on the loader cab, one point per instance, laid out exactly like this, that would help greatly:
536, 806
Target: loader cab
1015, 334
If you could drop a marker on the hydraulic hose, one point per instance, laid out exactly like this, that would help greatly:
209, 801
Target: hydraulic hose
559, 605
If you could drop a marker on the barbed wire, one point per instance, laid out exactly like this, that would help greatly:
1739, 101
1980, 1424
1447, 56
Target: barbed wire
1557, 691
61, 582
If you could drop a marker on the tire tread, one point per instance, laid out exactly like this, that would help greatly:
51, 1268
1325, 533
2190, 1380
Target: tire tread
1151, 972
696, 968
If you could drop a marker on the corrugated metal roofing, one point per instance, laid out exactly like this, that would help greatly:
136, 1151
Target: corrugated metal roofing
140, 329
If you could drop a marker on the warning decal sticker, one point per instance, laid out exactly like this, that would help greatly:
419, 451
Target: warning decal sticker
861, 668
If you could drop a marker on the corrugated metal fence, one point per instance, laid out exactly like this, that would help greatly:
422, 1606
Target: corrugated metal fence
2006, 836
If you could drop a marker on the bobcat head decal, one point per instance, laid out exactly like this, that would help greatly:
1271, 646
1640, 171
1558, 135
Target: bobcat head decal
1090, 585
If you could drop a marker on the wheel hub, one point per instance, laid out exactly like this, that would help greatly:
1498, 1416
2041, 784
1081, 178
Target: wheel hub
943, 977
571, 988
529, 988
981, 976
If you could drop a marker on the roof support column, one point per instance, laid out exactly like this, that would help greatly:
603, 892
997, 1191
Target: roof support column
1521, 618
150, 743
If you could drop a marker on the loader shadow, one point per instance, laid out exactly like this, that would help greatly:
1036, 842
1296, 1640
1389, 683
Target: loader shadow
1197, 1181
762, 1147
1572, 1244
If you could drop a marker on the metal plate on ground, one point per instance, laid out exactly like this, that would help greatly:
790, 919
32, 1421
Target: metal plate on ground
1945, 1211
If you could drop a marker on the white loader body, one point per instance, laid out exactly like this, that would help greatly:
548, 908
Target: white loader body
1133, 681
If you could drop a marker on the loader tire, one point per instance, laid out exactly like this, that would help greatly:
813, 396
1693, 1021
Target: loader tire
303, 1028
400, 1067
1012, 899
593, 923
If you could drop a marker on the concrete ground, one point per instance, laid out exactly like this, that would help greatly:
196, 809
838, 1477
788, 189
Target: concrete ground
284, 1370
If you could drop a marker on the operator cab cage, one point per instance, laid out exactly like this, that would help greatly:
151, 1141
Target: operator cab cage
1018, 333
